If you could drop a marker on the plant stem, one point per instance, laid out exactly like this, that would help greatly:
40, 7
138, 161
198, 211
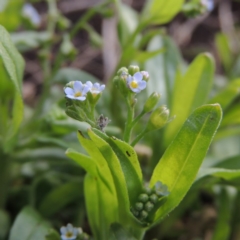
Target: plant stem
128, 126
138, 138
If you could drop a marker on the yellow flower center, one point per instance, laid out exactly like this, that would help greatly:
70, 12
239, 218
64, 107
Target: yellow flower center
78, 94
134, 84
69, 234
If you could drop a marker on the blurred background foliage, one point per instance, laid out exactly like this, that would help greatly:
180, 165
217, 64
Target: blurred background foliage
40, 188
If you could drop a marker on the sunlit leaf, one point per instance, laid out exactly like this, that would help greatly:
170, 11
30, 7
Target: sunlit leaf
179, 165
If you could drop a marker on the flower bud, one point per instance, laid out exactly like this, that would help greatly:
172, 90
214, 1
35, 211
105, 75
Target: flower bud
153, 198
148, 190
149, 206
139, 206
143, 214
132, 69
151, 102
143, 197
122, 71
158, 118
145, 75
67, 48
121, 84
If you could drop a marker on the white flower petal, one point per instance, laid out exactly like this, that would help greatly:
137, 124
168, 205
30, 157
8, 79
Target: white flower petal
136, 90
69, 227
77, 86
142, 85
82, 98
63, 230
75, 231
85, 90
70, 96
89, 84
138, 76
102, 87
69, 91
129, 79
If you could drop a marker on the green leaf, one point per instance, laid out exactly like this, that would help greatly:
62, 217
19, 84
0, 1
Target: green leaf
13, 66
162, 68
129, 163
10, 14
231, 176
227, 132
160, 11
224, 205
224, 51
231, 117
117, 171
128, 22
107, 156
29, 225
229, 163
119, 233
65, 75
68, 193
179, 165
102, 166
228, 95
85, 162
190, 92
28, 40
101, 206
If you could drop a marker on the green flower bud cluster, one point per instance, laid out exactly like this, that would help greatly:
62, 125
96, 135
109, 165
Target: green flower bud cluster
148, 201
131, 80
81, 99
195, 8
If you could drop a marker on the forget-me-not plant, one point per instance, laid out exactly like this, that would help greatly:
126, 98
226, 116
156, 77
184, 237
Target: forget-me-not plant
69, 232
78, 92
136, 82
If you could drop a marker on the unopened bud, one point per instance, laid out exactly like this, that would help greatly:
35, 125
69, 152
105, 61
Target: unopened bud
121, 84
158, 118
122, 71
151, 102
149, 206
153, 198
143, 197
143, 214
145, 75
132, 69
139, 206
67, 48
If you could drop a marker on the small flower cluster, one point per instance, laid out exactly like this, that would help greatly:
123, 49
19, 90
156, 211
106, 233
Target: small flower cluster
82, 99
194, 8
71, 233
148, 200
131, 79
79, 91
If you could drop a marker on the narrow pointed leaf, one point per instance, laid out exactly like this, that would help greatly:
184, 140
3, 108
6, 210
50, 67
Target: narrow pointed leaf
84, 161
129, 163
190, 92
179, 165
102, 166
227, 96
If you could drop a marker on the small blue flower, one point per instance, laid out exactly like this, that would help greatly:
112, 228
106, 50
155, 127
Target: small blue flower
78, 92
31, 13
208, 4
69, 232
95, 88
161, 189
136, 82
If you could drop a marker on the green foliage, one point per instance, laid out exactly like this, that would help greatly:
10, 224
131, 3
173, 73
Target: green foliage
12, 66
29, 225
